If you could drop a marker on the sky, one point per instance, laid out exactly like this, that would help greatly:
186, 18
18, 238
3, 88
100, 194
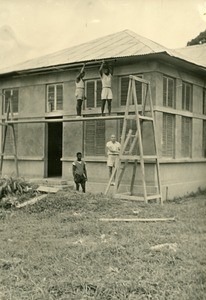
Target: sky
32, 28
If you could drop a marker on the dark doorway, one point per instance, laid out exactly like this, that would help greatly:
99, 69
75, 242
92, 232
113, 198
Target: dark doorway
54, 149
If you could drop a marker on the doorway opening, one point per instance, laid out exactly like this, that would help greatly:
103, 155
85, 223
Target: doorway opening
54, 164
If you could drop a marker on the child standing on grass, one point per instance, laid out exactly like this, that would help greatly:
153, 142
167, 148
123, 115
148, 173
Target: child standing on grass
79, 172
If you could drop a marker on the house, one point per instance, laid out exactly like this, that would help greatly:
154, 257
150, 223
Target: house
43, 89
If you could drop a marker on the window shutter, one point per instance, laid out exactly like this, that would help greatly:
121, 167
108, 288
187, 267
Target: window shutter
100, 138
90, 93
59, 97
15, 101
98, 93
90, 138
124, 90
138, 90
9, 146
204, 139
168, 135
51, 97
7, 95
204, 102
170, 92
188, 98
95, 138
183, 95
186, 136
131, 124
164, 91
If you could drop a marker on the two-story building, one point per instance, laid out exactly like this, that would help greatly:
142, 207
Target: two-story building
44, 88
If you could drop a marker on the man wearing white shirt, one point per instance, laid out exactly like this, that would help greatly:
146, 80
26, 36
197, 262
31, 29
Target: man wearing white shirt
113, 150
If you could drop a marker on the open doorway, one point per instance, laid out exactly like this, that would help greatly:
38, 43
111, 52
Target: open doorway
54, 164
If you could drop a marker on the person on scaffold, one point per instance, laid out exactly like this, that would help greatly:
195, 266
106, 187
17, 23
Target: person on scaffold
80, 91
106, 73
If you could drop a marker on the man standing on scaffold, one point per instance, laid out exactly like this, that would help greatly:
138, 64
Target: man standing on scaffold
106, 73
80, 91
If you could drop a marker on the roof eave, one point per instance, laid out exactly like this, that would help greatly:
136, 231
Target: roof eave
92, 63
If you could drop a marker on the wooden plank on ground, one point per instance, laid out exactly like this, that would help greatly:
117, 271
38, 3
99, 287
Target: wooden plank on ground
31, 201
47, 189
138, 220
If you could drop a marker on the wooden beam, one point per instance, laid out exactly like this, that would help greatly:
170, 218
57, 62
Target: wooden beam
138, 220
31, 201
139, 79
81, 119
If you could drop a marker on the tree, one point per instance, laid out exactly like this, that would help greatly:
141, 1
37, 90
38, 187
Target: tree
200, 39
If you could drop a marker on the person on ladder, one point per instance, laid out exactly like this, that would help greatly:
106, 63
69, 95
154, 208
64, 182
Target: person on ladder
106, 73
80, 91
113, 150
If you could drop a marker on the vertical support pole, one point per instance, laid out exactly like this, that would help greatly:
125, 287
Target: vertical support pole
15, 150
133, 177
3, 148
156, 148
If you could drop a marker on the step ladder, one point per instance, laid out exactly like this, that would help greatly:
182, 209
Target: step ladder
9, 111
132, 146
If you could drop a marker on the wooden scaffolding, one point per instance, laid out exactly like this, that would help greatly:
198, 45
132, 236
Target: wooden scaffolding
131, 140
132, 145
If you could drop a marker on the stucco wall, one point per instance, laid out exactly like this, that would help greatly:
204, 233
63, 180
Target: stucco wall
32, 138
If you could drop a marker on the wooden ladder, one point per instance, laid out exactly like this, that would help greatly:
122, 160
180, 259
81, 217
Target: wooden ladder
133, 142
9, 110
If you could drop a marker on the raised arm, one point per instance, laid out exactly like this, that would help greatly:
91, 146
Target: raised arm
111, 69
101, 68
80, 73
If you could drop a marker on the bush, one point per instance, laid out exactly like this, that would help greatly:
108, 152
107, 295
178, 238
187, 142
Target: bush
11, 187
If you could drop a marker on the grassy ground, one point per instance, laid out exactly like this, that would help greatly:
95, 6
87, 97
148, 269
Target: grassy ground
58, 249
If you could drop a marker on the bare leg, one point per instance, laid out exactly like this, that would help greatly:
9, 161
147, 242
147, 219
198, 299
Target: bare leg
109, 105
79, 107
103, 106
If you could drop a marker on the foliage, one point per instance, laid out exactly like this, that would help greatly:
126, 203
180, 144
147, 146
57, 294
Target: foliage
200, 39
11, 187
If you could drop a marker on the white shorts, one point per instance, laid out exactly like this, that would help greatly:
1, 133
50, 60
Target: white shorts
106, 93
111, 160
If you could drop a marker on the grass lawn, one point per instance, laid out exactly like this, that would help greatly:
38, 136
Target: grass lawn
59, 249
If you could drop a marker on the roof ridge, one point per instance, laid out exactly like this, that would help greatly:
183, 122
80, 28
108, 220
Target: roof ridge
135, 35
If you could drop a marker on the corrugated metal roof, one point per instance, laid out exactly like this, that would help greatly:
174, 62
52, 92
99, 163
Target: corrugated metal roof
121, 44
196, 52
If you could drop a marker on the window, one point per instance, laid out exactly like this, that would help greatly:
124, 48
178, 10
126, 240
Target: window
93, 93
131, 124
186, 145
12, 94
54, 97
204, 139
9, 146
95, 138
168, 92
204, 102
124, 82
186, 96
168, 135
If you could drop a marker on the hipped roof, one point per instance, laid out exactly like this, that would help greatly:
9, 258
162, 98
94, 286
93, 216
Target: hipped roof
118, 45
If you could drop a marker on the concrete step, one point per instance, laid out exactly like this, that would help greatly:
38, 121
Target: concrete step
51, 182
